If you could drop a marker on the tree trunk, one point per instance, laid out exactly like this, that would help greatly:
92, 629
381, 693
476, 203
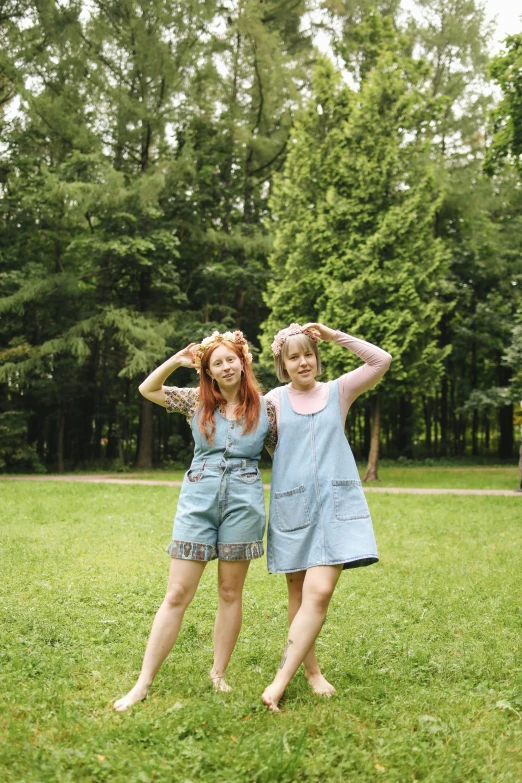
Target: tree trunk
367, 431
146, 438
506, 440
406, 428
121, 451
455, 421
97, 446
427, 424
373, 458
463, 428
474, 433
474, 385
61, 432
112, 445
444, 417
436, 427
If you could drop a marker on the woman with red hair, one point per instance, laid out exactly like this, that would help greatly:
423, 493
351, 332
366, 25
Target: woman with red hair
220, 512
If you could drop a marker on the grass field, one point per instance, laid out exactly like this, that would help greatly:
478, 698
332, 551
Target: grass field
424, 649
450, 478
469, 477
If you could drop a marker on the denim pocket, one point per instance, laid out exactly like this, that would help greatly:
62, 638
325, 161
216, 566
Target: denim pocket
194, 475
349, 500
248, 475
292, 510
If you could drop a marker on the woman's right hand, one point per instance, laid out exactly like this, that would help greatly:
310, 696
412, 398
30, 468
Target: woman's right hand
152, 387
185, 357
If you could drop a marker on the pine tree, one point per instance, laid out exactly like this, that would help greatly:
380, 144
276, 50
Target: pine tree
506, 70
135, 186
355, 209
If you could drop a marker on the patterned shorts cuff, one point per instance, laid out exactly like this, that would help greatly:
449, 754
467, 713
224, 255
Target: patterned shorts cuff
190, 550
240, 551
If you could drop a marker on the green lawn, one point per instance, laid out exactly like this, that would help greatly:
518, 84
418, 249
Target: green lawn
396, 476
424, 649
449, 478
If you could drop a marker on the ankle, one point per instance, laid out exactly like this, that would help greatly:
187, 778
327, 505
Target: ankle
274, 692
143, 682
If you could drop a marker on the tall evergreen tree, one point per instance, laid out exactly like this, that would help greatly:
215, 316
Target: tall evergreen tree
473, 221
506, 70
136, 181
355, 211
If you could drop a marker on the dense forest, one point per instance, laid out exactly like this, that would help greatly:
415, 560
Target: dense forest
168, 167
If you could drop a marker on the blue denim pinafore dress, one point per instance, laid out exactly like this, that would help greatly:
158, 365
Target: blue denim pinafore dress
221, 510
318, 511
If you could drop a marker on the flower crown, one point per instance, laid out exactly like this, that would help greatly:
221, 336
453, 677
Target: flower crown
291, 331
216, 337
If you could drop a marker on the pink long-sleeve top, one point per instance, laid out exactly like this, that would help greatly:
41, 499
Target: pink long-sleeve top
352, 384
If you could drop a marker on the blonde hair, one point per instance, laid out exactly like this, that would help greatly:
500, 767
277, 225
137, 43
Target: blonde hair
303, 341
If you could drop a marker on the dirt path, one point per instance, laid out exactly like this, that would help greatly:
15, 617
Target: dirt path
100, 479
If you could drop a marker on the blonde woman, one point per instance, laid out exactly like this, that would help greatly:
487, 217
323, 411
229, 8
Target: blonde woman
319, 521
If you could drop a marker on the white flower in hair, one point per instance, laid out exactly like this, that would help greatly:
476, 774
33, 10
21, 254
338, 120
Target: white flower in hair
216, 337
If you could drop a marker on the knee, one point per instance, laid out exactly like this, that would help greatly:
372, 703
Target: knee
229, 592
178, 596
319, 596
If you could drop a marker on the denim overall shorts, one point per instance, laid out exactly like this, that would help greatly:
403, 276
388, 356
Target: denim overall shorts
221, 509
318, 511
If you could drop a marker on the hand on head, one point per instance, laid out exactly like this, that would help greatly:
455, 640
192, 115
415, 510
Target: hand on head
322, 331
186, 356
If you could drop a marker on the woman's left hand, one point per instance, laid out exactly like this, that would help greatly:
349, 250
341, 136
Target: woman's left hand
322, 331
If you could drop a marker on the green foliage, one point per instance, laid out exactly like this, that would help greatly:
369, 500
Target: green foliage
513, 358
355, 209
453, 37
139, 148
16, 455
482, 233
132, 197
506, 70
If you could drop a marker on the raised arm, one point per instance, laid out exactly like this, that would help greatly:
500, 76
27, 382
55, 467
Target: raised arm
152, 387
376, 362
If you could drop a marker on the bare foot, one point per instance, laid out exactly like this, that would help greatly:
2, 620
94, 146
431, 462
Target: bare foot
319, 684
219, 683
138, 693
270, 700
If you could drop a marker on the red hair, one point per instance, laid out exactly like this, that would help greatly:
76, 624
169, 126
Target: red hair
210, 397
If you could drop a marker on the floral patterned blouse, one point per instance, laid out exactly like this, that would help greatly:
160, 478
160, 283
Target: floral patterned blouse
186, 400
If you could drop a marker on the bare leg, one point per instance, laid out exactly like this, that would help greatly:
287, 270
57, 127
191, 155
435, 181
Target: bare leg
318, 586
318, 683
183, 581
231, 578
